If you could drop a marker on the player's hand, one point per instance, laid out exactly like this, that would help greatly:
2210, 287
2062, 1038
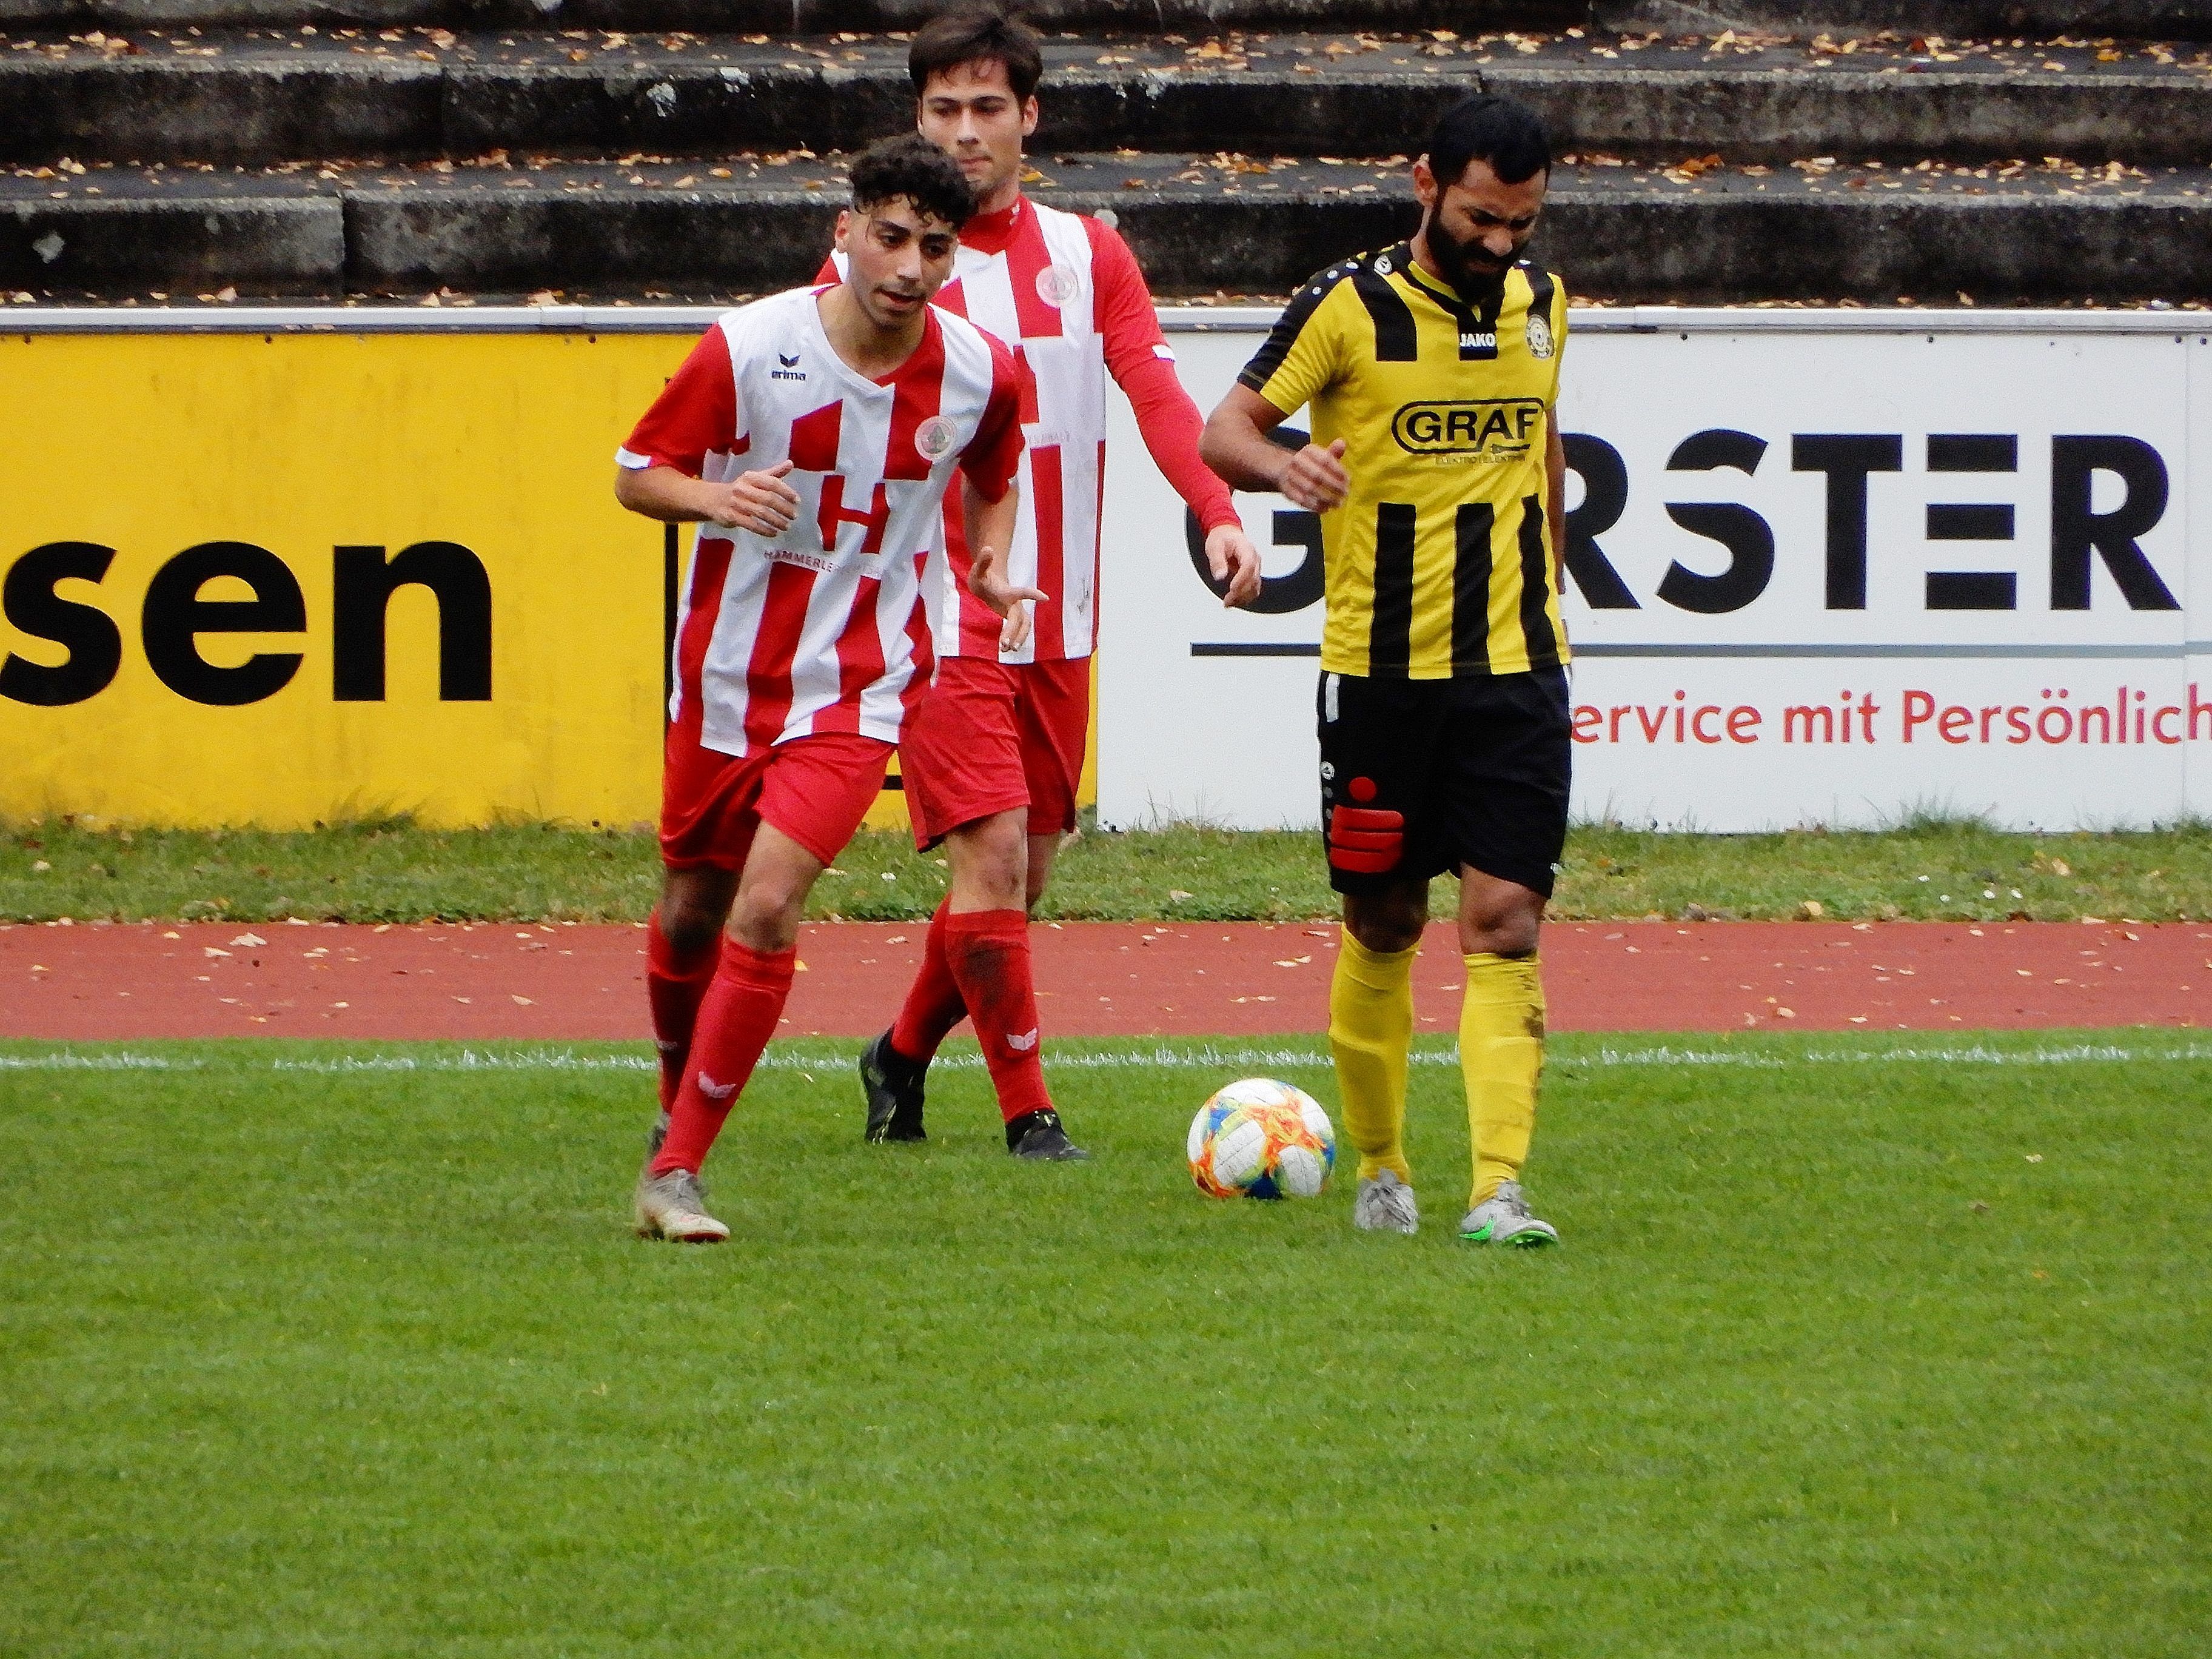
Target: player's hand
1315, 478
759, 501
1232, 558
1010, 602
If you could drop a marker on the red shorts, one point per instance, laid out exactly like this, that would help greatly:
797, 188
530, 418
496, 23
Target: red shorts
991, 737
816, 790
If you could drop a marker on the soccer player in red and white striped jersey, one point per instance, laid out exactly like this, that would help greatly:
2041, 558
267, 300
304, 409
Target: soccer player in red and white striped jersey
816, 434
991, 759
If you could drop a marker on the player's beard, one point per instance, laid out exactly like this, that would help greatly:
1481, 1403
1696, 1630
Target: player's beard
1467, 266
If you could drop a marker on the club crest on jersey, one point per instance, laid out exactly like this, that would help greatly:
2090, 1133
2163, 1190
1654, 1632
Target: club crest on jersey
1539, 338
935, 437
1057, 285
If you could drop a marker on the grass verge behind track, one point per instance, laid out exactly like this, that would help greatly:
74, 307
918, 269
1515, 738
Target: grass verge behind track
397, 871
1856, 1347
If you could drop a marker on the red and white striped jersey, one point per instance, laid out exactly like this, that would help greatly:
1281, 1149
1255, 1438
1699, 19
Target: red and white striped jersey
818, 629
1064, 292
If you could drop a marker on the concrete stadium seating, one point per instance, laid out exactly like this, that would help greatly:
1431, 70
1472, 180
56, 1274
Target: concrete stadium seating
1712, 150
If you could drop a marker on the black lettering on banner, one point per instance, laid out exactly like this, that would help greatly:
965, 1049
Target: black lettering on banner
1847, 458
362, 582
1604, 498
2076, 532
1278, 595
1972, 521
1748, 537
175, 615
89, 635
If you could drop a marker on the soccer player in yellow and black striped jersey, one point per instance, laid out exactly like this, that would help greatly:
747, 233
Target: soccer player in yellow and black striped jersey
1431, 370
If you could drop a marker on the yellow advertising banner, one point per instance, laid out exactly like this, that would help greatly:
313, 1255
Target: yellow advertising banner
287, 578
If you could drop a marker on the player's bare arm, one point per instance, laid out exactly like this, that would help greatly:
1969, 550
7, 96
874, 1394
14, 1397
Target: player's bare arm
759, 501
991, 528
1236, 446
1231, 557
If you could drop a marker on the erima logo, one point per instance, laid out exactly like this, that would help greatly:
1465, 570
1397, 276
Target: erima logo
1477, 342
1022, 1044
790, 369
1466, 428
714, 1091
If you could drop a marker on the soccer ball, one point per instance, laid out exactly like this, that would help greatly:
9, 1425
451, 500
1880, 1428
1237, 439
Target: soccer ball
1261, 1138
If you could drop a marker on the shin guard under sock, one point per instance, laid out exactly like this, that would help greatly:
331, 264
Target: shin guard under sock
675, 980
933, 1005
988, 952
737, 1017
1501, 1056
1370, 1031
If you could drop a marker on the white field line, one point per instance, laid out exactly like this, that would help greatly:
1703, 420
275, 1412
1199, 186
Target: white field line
1207, 1057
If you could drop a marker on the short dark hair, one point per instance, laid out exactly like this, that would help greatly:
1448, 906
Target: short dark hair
1484, 127
910, 165
969, 34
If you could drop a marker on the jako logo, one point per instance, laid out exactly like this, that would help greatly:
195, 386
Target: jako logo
1478, 343
1458, 428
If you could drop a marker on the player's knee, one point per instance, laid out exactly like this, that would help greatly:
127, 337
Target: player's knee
990, 861
766, 916
691, 912
1506, 929
1387, 922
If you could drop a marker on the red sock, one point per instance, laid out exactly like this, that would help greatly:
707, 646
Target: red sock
933, 1006
989, 953
737, 1017
674, 983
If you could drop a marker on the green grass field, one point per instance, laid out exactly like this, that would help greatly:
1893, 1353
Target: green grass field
1923, 870
1854, 1347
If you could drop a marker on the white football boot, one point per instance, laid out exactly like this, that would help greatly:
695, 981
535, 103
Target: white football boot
1503, 1219
674, 1207
1385, 1205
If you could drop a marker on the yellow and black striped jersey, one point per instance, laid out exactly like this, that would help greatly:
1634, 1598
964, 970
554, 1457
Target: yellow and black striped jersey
1440, 563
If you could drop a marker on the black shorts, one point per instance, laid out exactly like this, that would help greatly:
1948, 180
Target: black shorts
1418, 777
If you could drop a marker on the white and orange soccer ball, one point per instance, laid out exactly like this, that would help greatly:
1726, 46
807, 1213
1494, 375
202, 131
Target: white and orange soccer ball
1261, 1139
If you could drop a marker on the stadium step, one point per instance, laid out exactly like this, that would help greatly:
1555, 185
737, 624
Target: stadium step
345, 159
2141, 20
2026, 231
258, 101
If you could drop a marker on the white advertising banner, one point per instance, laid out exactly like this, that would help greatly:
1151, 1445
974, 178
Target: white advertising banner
1824, 568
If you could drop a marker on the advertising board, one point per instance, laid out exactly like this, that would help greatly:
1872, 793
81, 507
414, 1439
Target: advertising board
289, 567
1837, 568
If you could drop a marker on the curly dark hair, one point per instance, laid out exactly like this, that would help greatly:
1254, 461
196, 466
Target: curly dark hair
971, 34
911, 166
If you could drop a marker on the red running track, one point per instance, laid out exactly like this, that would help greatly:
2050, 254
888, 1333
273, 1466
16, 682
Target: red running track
98, 982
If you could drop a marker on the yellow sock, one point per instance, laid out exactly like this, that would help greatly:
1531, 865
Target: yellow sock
1370, 1029
1501, 1055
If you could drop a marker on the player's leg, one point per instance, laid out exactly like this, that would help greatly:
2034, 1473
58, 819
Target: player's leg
988, 948
808, 797
961, 756
683, 944
1508, 810
1053, 707
1373, 796
958, 760
704, 833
